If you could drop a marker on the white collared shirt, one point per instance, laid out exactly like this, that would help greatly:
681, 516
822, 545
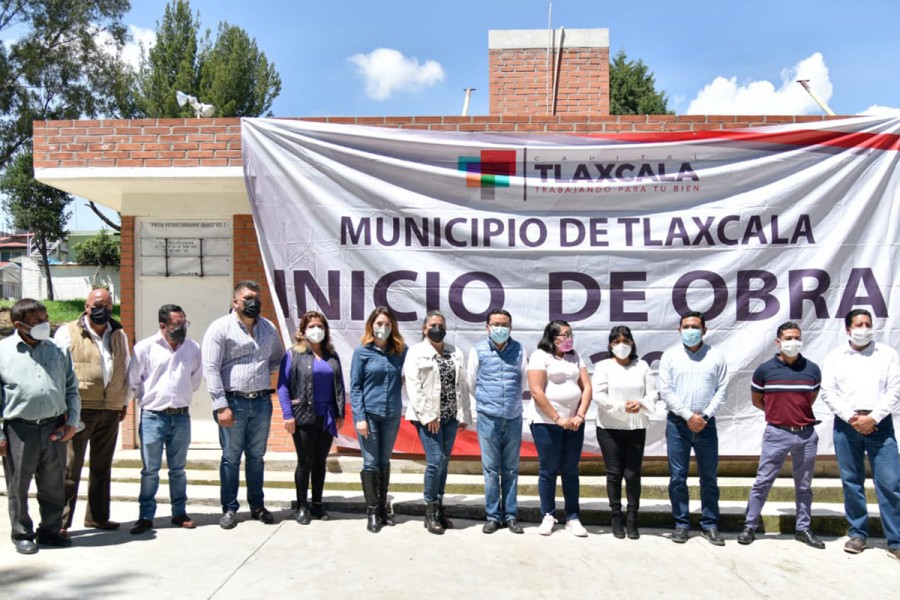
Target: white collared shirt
867, 379
160, 377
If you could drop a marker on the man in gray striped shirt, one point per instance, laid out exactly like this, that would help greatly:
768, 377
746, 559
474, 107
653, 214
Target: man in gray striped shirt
240, 352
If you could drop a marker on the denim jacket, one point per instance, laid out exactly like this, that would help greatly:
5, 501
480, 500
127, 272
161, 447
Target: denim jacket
376, 382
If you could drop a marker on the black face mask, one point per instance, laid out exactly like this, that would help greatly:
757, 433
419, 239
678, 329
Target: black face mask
177, 335
252, 307
100, 315
437, 333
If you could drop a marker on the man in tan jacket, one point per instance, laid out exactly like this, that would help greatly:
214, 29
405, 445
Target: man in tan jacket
100, 354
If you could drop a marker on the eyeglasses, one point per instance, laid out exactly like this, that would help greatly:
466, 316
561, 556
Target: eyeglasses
184, 326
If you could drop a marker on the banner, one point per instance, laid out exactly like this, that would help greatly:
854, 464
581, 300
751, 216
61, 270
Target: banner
752, 227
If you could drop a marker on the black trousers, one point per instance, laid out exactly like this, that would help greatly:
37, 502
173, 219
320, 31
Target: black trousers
623, 453
31, 455
101, 430
312, 444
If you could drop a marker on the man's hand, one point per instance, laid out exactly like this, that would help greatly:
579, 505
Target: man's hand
123, 414
63, 434
3, 446
863, 424
225, 417
696, 423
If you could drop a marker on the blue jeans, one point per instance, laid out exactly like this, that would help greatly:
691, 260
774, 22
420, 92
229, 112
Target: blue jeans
881, 446
248, 435
172, 432
438, 447
500, 440
559, 451
680, 440
377, 448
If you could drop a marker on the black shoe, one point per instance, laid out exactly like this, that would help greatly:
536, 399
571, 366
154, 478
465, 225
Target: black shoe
140, 526
432, 523
262, 515
228, 520
373, 523
713, 536
53, 539
746, 537
618, 526
680, 535
631, 526
318, 512
302, 515
514, 526
25, 546
809, 539
490, 527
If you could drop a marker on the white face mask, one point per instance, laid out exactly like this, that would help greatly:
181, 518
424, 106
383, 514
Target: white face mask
381, 332
40, 331
791, 348
315, 334
621, 351
861, 336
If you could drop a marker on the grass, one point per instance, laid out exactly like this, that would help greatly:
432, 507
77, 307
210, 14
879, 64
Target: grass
62, 311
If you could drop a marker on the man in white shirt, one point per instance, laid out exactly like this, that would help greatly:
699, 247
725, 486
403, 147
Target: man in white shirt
163, 376
861, 386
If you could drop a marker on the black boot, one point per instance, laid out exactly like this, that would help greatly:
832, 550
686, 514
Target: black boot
302, 515
370, 491
384, 481
631, 525
318, 512
432, 524
618, 525
442, 516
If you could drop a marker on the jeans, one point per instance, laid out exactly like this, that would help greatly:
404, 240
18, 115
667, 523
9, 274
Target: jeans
312, 443
680, 440
438, 447
173, 432
559, 451
248, 434
500, 440
623, 454
881, 446
776, 445
378, 446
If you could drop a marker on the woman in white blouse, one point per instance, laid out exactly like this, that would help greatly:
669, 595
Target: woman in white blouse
560, 396
625, 393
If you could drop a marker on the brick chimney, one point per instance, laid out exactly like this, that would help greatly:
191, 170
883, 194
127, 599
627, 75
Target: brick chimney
576, 82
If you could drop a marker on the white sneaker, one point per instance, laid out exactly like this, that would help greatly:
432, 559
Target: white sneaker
576, 528
546, 527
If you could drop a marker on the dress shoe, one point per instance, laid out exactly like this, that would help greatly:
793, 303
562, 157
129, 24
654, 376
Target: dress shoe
262, 515
183, 521
809, 539
25, 546
680, 535
228, 520
713, 536
746, 537
104, 525
490, 527
140, 526
302, 515
514, 526
54, 539
855, 545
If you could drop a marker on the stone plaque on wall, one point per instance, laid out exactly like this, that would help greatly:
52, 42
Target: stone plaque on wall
181, 247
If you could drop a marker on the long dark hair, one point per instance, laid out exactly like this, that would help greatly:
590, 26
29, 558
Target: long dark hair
548, 341
622, 331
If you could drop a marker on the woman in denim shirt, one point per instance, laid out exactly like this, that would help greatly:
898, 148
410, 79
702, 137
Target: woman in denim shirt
376, 377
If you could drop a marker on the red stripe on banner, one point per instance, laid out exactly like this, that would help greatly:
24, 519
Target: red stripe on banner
804, 137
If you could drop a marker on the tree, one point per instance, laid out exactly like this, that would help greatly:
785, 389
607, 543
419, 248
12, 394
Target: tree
632, 89
101, 250
35, 207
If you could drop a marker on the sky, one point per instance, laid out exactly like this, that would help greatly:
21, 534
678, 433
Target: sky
415, 57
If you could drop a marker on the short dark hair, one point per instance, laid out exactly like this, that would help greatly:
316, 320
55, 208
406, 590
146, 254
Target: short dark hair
167, 309
247, 284
499, 311
548, 340
23, 308
692, 314
785, 326
848, 320
622, 331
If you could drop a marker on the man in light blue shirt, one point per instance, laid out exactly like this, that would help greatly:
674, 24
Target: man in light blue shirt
692, 382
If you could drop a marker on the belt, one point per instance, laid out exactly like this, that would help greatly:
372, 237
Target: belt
795, 429
862, 413
183, 410
42, 421
251, 395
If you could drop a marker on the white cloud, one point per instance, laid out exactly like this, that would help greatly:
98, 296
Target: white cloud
876, 110
725, 97
386, 71
130, 53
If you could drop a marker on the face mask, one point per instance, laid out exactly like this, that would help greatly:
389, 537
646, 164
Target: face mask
691, 337
381, 332
566, 345
100, 315
177, 335
861, 336
621, 351
791, 348
39, 332
499, 334
437, 333
252, 306
315, 334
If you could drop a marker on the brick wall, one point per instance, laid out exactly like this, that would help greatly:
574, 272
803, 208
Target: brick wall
127, 298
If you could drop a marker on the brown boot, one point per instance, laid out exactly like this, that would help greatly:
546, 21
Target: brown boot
432, 524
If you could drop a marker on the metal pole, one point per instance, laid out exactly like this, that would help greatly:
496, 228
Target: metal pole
468, 91
814, 96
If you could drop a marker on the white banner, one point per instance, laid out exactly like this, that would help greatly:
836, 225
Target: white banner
751, 227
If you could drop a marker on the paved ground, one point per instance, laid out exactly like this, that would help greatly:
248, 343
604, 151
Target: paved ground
324, 559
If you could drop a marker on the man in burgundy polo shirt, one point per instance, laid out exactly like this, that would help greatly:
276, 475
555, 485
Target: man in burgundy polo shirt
785, 387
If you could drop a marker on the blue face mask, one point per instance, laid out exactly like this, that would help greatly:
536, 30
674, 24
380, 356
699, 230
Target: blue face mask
499, 334
691, 337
